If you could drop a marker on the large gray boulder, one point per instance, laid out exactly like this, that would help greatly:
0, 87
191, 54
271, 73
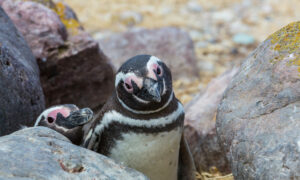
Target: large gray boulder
21, 95
42, 153
174, 46
73, 68
258, 120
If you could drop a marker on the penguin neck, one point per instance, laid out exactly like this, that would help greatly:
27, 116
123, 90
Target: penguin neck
134, 111
169, 106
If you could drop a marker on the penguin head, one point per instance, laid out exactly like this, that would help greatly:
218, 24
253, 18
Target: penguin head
144, 84
66, 119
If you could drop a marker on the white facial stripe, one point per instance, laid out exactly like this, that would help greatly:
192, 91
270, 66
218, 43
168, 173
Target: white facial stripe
45, 113
140, 100
145, 112
114, 116
121, 76
152, 60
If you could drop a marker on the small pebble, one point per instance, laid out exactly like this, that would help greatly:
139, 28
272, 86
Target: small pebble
244, 39
194, 6
196, 35
131, 18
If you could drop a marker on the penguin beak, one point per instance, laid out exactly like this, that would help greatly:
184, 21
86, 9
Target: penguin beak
153, 89
76, 118
81, 117
86, 112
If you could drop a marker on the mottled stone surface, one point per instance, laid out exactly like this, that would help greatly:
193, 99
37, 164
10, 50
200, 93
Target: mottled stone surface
73, 68
172, 45
40, 26
200, 125
81, 75
21, 95
258, 119
42, 153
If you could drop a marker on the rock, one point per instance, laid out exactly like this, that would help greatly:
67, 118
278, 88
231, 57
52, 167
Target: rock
258, 119
223, 16
40, 26
196, 35
22, 98
194, 6
42, 153
80, 75
172, 45
200, 131
130, 18
244, 39
202, 44
73, 68
239, 27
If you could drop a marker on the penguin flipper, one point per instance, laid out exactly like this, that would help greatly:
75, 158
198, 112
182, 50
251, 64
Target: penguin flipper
186, 165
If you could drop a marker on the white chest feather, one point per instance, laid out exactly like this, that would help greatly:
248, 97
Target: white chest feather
154, 155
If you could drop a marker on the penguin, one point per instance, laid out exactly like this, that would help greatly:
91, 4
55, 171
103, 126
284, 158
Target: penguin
141, 125
66, 119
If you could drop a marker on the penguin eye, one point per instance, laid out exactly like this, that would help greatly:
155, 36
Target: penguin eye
132, 82
50, 119
128, 86
158, 71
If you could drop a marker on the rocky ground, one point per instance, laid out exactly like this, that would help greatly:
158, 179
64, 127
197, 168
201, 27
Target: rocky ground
224, 32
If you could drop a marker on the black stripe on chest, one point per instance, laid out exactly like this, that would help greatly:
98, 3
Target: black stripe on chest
115, 130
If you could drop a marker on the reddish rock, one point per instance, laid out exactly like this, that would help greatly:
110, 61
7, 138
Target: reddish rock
200, 125
172, 45
21, 99
40, 26
258, 120
81, 75
73, 68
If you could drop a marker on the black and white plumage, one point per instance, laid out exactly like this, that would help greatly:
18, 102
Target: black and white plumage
141, 125
67, 119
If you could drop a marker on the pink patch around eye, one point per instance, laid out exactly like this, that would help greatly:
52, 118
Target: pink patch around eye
64, 111
128, 82
153, 71
159, 71
154, 66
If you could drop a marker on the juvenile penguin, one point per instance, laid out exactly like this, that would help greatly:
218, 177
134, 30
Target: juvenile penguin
141, 125
66, 119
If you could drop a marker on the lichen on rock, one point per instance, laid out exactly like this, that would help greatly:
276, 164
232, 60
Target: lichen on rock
287, 39
72, 24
